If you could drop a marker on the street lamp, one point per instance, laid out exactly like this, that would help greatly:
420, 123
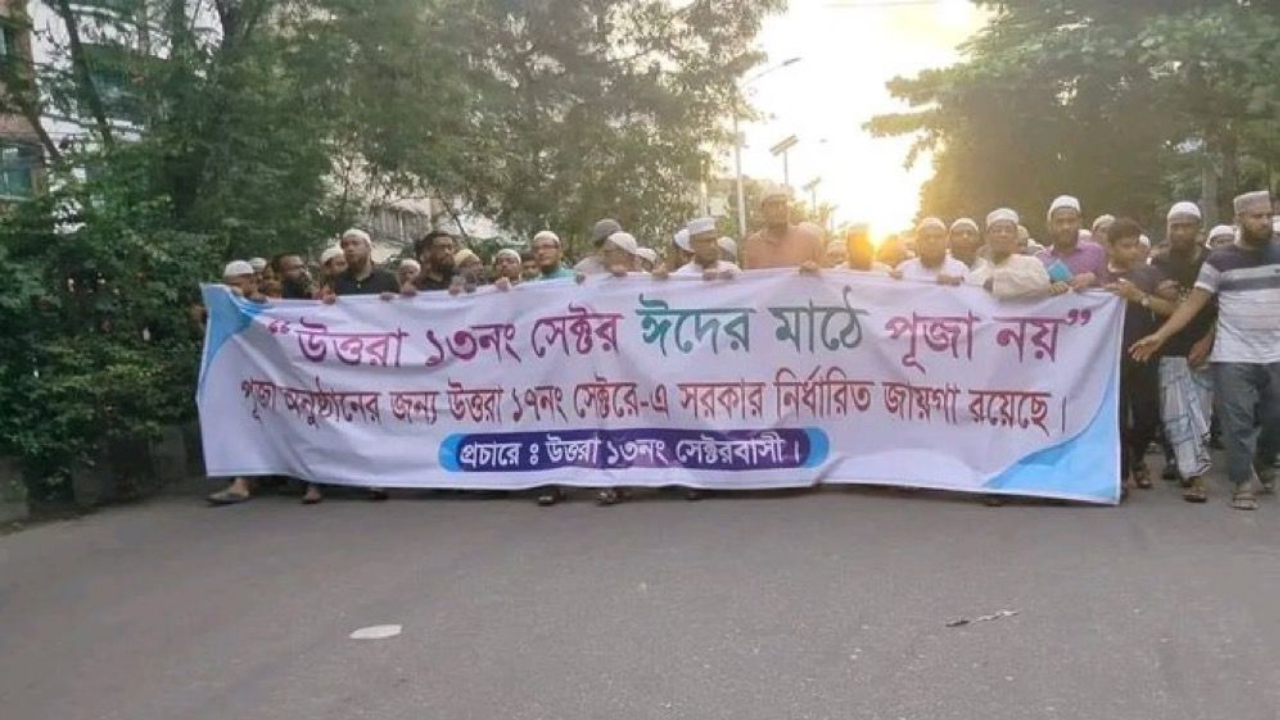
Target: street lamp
782, 149
737, 145
811, 187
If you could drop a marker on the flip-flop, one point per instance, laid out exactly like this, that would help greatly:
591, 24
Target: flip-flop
223, 498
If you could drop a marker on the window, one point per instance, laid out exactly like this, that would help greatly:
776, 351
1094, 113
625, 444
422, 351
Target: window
18, 164
112, 76
8, 40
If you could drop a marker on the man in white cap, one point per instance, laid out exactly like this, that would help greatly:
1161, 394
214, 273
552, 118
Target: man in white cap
407, 271
931, 262
1068, 259
548, 255
507, 265
647, 258
1100, 227
728, 249
259, 265
243, 281
595, 263
332, 264
1245, 277
680, 252
1010, 275
617, 256
1220, 236
1186, 386
779, 244
706, 261
964, 241
361, 277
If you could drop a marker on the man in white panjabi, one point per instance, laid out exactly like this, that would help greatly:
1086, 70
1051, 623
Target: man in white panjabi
706, 261
1010, 275
932, 262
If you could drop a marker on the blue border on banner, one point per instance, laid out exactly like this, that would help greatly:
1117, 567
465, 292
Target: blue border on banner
229, 316
1087, 465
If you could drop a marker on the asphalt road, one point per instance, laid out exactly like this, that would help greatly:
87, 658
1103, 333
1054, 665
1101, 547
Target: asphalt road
831, 604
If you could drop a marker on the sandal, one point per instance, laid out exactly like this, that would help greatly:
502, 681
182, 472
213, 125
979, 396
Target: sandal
312, 496
223, 498
607, 497
1243, 499
1195, 491
1142, 477
549, 497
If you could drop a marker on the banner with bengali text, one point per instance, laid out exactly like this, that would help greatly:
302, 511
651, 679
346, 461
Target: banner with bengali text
768, 380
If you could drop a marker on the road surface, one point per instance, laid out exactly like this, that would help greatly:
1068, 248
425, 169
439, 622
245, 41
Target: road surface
831, 604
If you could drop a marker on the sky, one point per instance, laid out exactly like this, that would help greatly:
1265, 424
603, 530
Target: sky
849, 49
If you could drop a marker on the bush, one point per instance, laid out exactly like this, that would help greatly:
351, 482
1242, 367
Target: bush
96, 339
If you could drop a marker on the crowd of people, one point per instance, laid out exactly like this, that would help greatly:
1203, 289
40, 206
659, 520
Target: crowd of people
1201, 329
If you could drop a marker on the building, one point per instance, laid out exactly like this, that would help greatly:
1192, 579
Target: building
21, 157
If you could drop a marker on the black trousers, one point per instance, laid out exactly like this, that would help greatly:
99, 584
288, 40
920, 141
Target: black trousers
1139, 412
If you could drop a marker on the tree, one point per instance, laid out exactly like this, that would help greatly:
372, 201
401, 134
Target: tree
1109, 101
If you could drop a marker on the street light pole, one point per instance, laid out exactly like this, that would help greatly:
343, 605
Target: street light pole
737, 147
737, 163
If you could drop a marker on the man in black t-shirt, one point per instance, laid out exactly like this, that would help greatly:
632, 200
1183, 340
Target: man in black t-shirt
1186, 386
435, 253
1127, 276
361, 277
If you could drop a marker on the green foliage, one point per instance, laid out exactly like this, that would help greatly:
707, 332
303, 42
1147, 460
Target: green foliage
1123, 104
97, 343
242, 128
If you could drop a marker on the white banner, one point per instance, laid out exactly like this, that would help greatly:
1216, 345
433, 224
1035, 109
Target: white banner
769, 380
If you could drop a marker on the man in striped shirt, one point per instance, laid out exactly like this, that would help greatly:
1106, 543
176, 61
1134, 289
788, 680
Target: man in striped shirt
1245, 277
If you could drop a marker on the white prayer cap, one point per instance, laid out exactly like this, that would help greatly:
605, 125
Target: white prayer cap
1063, 202
507, 252
258, 264
1185, 211
964, 223
625, 242
728, 245
237, 268
1002, 215
1222, 231
546, 235
357, 234
649, 255
701, 226
1144, 241
410, 263
465, 255
931, 222
1259, 201
330, 253
1104, 220
683, 241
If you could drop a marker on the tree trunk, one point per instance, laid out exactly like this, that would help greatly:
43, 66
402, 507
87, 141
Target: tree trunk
84, 79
